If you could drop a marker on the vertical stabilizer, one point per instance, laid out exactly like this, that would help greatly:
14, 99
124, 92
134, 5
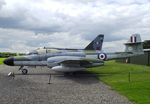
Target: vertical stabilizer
134, 44
96, 44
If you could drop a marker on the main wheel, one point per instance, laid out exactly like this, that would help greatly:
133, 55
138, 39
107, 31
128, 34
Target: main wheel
24, 71
69, 73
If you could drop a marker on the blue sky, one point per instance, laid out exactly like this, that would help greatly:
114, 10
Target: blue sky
28, 24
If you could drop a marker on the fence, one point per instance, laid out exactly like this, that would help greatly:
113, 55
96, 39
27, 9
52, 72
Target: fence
140, 76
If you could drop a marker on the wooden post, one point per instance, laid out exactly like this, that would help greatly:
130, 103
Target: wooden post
13, 75
129, 76
49, 82
148, 63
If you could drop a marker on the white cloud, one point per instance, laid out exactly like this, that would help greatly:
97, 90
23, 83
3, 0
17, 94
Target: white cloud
74, 22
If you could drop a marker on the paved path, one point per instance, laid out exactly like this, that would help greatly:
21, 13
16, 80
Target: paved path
34, 89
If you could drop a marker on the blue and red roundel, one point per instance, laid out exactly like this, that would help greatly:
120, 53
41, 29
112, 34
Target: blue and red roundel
102, 56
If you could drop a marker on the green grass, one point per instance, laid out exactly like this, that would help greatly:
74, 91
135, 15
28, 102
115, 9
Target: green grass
1, 60
117, 76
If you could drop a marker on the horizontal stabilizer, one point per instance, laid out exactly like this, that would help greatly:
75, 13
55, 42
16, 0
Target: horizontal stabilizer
134, 44
135, 38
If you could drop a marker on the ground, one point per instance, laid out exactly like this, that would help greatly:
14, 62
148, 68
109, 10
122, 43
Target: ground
82, 88
132, 81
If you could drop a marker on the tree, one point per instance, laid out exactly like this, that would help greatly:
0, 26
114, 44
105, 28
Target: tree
146, 44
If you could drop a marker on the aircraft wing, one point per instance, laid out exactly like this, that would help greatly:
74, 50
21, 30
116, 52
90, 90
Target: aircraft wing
72, 61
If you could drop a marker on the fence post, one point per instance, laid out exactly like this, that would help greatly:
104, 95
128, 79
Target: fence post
49, 81
129, 76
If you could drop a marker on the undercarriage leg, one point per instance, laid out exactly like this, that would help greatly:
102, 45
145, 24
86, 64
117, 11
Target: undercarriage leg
24, 71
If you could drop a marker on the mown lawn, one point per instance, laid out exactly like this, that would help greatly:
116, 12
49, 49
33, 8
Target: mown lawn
1, 60
137, 90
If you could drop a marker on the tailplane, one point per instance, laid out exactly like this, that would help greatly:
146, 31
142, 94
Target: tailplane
134, 47
134, 44
96, 44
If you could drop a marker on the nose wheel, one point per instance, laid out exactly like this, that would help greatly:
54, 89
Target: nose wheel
24, 71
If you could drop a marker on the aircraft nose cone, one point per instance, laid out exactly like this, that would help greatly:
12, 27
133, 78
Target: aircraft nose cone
9, 61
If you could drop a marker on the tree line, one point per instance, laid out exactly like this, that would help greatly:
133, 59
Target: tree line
9, 54
146, 44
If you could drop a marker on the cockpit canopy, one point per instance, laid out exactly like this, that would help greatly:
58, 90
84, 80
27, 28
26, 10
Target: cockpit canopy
43, 51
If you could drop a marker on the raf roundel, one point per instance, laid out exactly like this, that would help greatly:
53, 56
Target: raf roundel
102, 56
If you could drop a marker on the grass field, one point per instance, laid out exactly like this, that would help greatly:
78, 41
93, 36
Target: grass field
136, 87
1, 60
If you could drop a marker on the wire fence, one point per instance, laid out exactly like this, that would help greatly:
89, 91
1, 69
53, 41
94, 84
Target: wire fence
140, 76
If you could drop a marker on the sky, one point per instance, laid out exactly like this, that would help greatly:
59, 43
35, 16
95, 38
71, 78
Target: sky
28, 24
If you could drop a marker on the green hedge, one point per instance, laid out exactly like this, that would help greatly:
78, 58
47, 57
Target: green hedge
9, 54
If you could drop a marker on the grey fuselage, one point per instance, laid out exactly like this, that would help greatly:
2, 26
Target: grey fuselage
49, 59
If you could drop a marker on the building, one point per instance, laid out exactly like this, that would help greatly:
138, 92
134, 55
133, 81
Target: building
140, 60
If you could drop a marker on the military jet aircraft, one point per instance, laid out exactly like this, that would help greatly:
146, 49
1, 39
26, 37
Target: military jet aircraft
71, 60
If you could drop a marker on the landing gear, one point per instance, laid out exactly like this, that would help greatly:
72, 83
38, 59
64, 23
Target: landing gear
69, 73
24, 71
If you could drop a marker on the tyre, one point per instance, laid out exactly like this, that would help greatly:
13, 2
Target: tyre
24, 71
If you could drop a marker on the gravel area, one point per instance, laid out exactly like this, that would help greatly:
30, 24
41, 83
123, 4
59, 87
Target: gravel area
81, 88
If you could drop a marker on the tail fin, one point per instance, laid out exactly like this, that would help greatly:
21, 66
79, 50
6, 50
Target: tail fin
134, 44
96, 44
